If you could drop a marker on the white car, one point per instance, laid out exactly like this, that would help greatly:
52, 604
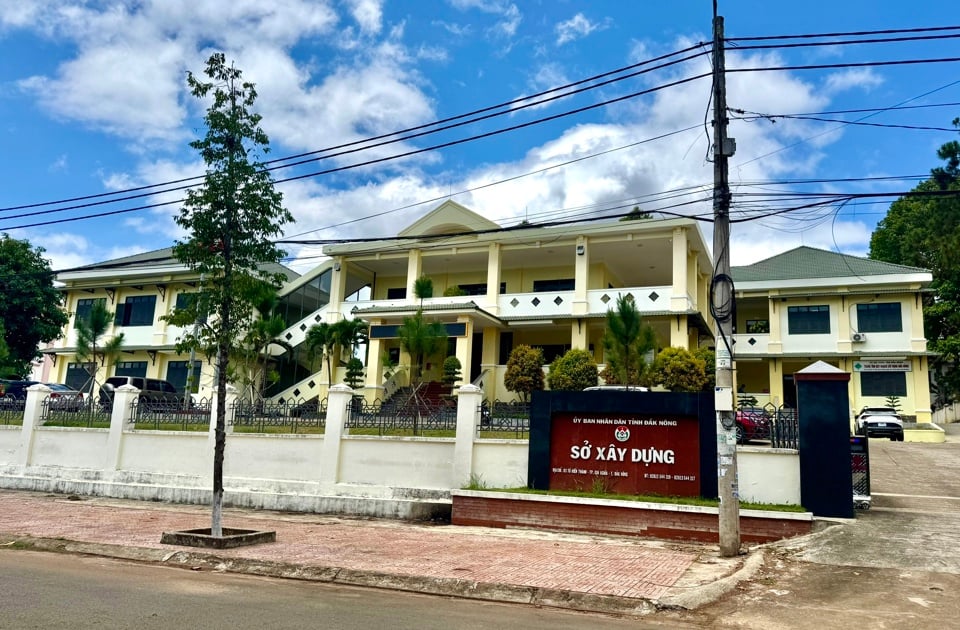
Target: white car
880, 422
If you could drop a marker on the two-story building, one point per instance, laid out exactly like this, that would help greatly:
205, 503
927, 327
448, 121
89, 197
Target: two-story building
860, 315
497, 288
550, 287
139, 290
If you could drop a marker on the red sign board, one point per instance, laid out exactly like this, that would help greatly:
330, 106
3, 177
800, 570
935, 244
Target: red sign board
625, 453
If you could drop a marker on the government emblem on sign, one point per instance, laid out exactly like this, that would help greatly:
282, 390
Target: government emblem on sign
622, 433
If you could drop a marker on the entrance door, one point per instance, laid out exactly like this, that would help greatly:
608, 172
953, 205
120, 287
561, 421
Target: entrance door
476, 355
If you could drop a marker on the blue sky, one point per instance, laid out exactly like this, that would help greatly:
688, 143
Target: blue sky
93, 100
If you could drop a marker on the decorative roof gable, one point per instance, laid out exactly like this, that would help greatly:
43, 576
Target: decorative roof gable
448, 218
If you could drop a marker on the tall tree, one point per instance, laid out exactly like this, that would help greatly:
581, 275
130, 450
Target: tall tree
626, 341
31, 308
923, 230
421, 339
230, 219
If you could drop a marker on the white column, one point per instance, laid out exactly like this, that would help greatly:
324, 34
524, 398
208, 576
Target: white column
414, 270
678, 300
338, 287
468, 419
120, 418
36, 394
338, 400
581, 281
494, 259
464, 350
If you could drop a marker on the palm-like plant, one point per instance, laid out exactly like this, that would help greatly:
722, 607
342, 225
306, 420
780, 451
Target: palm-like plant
320, 340
421, 339
90, 345
350, 333
263, 333
626, 341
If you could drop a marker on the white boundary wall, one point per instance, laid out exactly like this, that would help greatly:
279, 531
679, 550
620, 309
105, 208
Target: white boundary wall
332, 473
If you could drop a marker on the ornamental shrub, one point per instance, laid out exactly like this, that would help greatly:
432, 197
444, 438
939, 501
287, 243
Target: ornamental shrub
573, 372
524, 371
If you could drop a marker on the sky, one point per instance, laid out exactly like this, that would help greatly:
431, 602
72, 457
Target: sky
94, 101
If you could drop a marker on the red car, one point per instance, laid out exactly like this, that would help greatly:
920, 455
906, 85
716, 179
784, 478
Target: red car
753, 423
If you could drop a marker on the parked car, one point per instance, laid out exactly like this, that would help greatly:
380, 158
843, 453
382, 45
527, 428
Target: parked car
880, 422
154, 392
753, 423
16, 390
63, 398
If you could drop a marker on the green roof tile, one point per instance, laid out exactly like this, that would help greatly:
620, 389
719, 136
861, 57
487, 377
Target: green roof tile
809, 262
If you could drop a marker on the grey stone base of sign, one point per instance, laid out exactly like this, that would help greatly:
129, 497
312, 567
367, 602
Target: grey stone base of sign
231, 538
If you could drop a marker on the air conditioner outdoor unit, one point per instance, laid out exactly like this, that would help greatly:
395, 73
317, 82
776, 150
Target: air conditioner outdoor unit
859, 337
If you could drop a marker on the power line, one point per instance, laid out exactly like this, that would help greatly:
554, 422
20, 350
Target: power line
836, 112
410, 153
891, 31
848, 42
523, 102
850, 64
771, 118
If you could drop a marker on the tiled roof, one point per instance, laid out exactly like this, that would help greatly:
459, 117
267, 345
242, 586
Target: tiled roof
809, 262
165, 257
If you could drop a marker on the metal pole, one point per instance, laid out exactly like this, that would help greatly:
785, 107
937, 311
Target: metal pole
722, 308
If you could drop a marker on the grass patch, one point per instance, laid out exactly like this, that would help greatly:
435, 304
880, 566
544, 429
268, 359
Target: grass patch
504, 435
281, 429
649, 498
438, 433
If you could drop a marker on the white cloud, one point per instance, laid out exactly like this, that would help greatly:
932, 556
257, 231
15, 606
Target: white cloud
508, 13
367, 13
862, 78
577, 27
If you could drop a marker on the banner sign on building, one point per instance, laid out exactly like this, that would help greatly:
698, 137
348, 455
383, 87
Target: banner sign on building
877, 365
625, 454
633, 443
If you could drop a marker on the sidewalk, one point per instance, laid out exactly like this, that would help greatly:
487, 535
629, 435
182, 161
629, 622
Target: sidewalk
603, 574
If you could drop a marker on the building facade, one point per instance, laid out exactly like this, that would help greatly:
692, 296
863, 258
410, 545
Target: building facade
548, 287
862, 316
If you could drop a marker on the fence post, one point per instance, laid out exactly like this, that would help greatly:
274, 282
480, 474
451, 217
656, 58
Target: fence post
121, 417
338, 400
468, 418
36, 394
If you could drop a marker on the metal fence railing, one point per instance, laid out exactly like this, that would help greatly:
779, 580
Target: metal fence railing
504, 419
292, 416
171, 415
413, 416
73, 412
11, 410
776, 425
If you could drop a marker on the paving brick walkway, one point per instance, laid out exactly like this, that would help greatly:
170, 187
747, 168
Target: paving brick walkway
596, 565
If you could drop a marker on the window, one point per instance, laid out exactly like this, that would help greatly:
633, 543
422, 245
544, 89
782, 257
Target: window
758, 326
84, 307
80, 376
179, 371
546, 286
136, 311
506, 347
185, 299
808, 320
883, 384
552, 351
397, 293
480, 289
883, 317
130, 368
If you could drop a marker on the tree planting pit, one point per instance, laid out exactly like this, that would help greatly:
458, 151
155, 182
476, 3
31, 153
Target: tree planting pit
231, 538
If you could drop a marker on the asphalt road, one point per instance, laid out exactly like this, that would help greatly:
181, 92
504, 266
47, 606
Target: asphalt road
896, 566
43, 590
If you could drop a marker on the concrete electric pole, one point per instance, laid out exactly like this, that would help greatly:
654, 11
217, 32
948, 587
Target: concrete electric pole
721, 307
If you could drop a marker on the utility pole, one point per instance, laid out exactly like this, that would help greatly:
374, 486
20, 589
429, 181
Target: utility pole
721, 296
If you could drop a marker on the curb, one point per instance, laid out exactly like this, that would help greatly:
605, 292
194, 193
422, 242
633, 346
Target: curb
708, 593
450, 587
